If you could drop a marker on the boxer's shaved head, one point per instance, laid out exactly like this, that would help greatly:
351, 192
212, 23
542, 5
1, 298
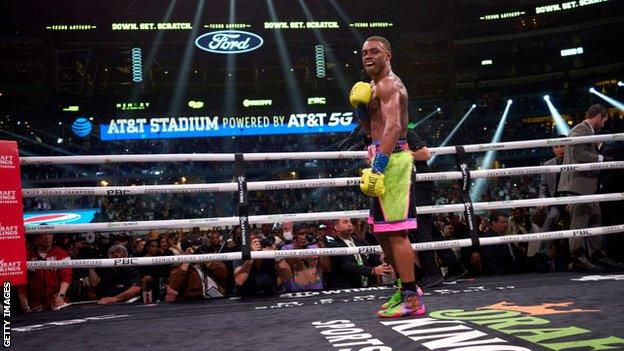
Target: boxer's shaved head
382, 40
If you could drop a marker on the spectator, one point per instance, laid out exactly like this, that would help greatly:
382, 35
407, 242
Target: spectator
498, 259
46, 288
520, 223
192, 281
353, 271
116, 284
261, 276
137, 247
308, 271
214, 242
153, 278
586, 251
548, 188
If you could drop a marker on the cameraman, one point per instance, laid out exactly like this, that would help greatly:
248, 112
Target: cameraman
193, 281
307, 271
261, 276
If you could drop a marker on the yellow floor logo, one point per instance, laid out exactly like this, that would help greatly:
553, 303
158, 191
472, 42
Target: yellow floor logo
538, 310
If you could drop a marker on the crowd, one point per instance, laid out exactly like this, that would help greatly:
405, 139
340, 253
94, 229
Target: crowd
48, 289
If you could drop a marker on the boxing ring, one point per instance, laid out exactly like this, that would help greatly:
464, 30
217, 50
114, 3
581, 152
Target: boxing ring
520, 312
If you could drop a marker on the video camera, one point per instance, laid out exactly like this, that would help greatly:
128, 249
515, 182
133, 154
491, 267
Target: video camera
269, 241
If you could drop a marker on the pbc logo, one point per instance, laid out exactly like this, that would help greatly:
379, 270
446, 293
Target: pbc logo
117, 192
352, 182
580, 232
366, 250
569, 168
229, 42
125, 261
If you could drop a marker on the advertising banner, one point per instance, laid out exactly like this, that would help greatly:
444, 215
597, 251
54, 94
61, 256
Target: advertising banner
217, 126
12, 240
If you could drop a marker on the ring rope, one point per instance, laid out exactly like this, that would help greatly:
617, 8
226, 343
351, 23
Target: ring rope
273, 156
314, 216
305, 183
342, 251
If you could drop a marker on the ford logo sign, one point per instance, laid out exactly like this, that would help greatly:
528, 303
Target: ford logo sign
229, 42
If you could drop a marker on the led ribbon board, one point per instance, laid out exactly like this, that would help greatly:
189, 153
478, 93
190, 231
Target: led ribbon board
215, 126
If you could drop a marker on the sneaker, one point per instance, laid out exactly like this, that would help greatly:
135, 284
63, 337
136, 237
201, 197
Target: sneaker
410, 305
396, 297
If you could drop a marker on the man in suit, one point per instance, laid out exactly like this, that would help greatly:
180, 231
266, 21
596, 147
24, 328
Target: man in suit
548, 188
586, 215
498, 259
353, 271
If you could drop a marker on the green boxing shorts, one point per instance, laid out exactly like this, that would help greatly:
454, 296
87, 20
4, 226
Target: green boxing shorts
395, 210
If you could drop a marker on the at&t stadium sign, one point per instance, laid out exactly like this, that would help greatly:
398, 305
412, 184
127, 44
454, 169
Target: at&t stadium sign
216, 126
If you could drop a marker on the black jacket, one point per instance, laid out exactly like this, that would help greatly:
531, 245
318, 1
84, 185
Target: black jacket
497, 259
346, 272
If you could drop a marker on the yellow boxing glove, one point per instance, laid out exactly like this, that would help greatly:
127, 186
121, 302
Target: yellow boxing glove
360, 94
371, 183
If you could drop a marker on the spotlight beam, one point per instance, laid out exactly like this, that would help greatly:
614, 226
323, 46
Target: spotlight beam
294, 93
152, 51
338, 70
358, 37
229, 103
437, 110
560, 123
187, 59
617, 104
452, 133
488, 160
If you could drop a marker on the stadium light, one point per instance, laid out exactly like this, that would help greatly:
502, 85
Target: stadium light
488, 160
610, 100
452, 133
620, 84
437, 110
560, 123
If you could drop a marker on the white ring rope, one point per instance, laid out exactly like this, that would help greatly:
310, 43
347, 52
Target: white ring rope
272, 254
304, 217
272, 156
305, 183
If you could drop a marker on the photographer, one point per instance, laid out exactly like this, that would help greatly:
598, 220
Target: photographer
307, 271
192, 281
353, 271
261, 276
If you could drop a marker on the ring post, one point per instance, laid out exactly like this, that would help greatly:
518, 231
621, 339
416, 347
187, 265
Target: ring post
243, 209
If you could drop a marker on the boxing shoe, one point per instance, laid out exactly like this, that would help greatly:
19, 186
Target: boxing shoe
411, 305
